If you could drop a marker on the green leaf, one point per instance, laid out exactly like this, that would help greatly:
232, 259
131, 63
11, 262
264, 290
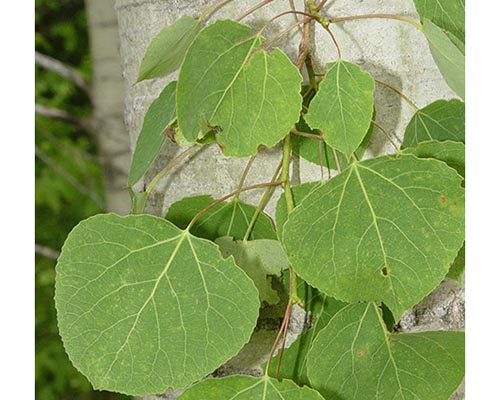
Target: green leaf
299, 192
343, 106
249, 388
130, 319
452, 153
449, 58
247, 96
386, 229
355, 357
259, 259
161, 113
225, 219
456, 41
322, 308
167, 49
441, 120
447, 14
457, 269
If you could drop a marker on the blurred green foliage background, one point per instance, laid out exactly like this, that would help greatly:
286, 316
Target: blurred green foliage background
68, 185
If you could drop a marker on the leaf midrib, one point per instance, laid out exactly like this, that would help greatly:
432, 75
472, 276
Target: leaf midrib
182, 236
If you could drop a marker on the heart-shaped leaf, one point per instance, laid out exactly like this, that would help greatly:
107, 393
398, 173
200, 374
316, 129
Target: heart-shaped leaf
167, 49
143, 306
355, 358
386, 229
249, 388
152, 137
248, 97
343, 106
441, 120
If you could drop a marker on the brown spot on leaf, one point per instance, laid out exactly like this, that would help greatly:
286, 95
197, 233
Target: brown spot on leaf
443, 199
386, 270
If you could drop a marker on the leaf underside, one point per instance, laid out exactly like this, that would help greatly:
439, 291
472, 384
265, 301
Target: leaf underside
448, 57
167, 49
386, 229
343, 106
152, 136
249, 388
143, 306
228, 85
355, 358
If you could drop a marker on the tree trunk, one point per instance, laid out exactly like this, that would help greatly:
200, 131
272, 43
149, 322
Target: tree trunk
107, 97
391, 51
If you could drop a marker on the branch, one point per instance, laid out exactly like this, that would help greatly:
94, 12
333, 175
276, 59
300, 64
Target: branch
77, 185
46, 252
61, 115
63, 70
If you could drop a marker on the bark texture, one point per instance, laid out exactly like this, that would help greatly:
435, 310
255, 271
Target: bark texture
107, 97
391, 51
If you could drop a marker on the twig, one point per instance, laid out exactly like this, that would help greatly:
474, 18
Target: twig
393, 143
255, 8
403, 96
78, 153
263, 201
292, 7
61, 115
214, 7
328, 30
307, 135
378, 16
77, 185
170, 166
51, 64
245, 172
321, 5
283, 33
47, 252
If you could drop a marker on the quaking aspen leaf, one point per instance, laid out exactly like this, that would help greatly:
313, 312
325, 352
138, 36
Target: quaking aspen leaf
385, 229
143, 306
343, 106
355, 358
230, 86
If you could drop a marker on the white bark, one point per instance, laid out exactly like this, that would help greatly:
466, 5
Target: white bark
107, 97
